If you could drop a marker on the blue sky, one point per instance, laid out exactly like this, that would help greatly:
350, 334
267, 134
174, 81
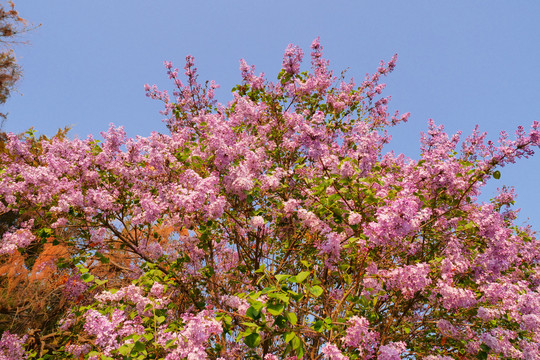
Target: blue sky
460, 62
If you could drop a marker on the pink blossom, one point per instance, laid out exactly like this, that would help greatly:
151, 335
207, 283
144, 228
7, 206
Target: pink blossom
530, 322
409, 279
454, 298
331, 352
447, 329
498, 341
74, 287
257, 222
360, 336
237, 303
78, 350
292, 59
488, 314
354, 218
290, 205
311, 220
103, 329
156, 290
332, 246
190, 342
391, 351
11, 346
20, 238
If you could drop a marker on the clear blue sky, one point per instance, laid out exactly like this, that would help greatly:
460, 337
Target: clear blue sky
461, 62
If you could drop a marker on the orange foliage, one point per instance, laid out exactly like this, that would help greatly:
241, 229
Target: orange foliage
45, 265
31, 296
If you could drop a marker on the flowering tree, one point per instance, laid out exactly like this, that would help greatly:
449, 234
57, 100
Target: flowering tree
274, 227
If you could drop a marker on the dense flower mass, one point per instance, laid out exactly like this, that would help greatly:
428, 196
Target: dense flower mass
270, 227
11, 347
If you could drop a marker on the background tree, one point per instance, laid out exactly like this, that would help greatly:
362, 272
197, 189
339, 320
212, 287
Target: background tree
11, 25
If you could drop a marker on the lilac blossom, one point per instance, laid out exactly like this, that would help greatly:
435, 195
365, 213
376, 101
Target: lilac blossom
360, 336
409, 279
11, 346
332, 352
391, 351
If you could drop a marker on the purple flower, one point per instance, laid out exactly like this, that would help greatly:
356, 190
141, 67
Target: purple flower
331, 352
354, 218
11, 346
391, 351
360, 336
257, 222
292, 59
409, 279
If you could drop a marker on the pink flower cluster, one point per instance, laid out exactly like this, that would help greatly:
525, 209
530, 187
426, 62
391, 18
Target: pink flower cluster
332, 352
409, 279
360, 336
20, 238
191, 341
455, 298
11, 346
135, 295
391, 351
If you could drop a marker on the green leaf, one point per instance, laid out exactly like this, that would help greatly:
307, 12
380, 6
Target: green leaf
316, 290
300, 352
282, 277
101, 282
318, 325
482, 355
497, 174
296, 342
289, 336
160, 319
257, 305
124, 350
293, 319
253, 313
300, 277
255, 296
252, 340
139, 347
280, 296
102, 258
295, 295
280, 321
87, 277
45, 233
274, 309
469, 225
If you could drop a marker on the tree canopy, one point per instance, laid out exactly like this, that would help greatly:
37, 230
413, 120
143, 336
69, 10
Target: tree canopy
270, 227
